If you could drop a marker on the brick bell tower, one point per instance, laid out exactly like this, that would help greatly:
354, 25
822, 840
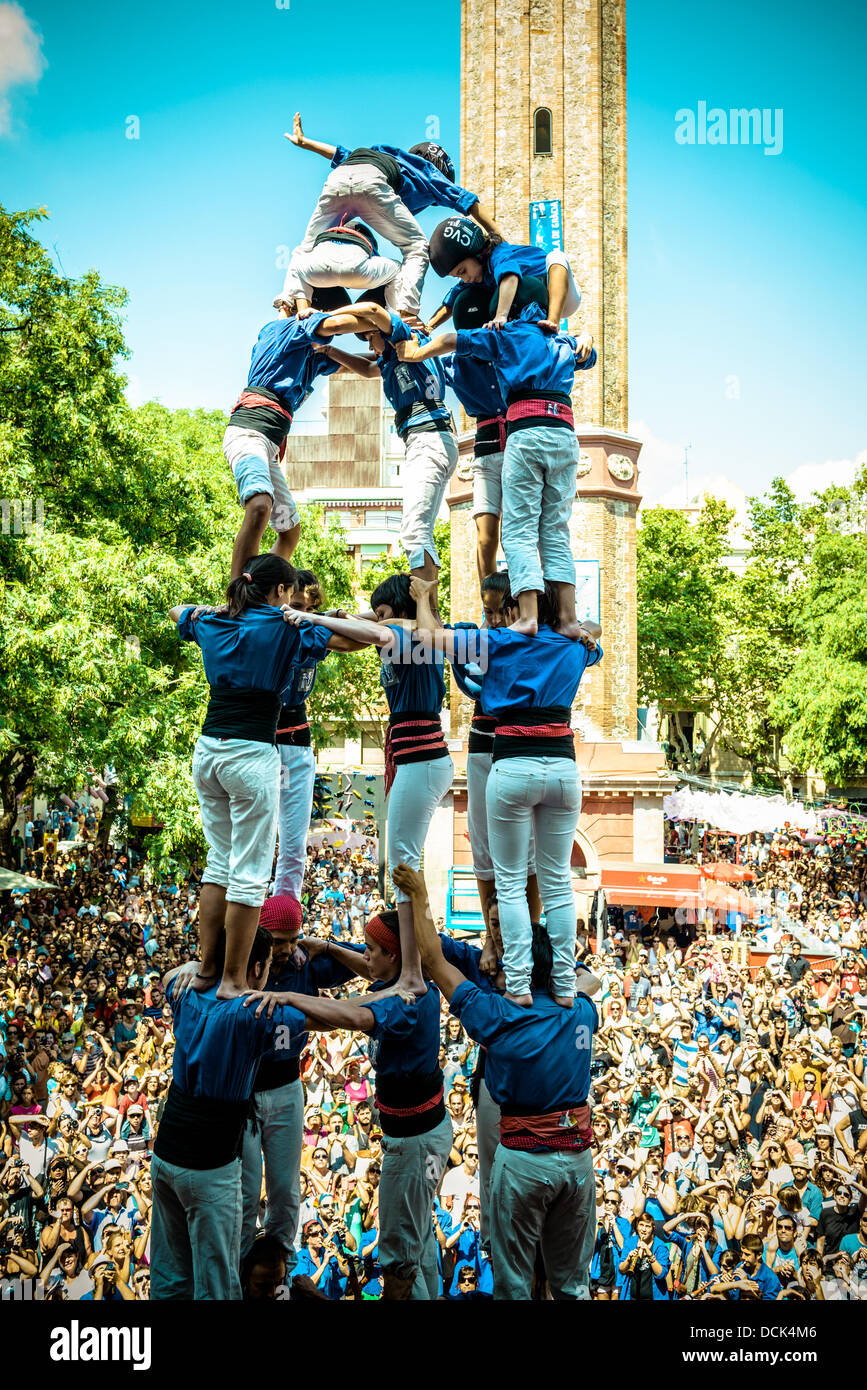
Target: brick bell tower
543, 143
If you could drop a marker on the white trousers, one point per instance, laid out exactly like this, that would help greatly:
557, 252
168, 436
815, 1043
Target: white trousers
361, 190
540, 474
416, 792
431, 459
337, 263
297, 775
540, 795
237, 783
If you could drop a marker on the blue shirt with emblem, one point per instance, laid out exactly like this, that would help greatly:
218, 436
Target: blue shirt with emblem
415, 390
411, 675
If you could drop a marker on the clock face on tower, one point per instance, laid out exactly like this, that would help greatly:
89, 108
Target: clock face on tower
620, 467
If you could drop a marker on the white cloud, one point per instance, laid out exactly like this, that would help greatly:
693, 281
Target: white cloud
21, 57
815, 477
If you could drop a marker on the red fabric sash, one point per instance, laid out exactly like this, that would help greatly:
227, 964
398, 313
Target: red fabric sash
500, 422
535, 730
294, 728
421, 743
525, 410
559, 1129
250, 398
406, 1111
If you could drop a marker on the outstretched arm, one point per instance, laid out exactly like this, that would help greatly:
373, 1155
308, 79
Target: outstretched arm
485, 219
322, 1015
349, 634
362, 365
305, 143
359, 319
411, 350
446, 977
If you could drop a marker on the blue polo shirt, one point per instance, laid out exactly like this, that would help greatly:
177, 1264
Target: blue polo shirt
218, 1043
314, 975
258, 650
769, 1284
537, 1057
527, 672
423, 186
283, 360
415, 390
524, 356
405, 1038
475, 383
411, 675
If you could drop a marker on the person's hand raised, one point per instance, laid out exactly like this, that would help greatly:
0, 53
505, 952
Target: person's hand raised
297, 136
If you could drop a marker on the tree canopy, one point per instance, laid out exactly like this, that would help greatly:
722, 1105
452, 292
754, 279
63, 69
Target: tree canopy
111, 515
773, 652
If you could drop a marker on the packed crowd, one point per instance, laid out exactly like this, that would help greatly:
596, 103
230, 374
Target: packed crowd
731, 1103
730, 1107
86, 1052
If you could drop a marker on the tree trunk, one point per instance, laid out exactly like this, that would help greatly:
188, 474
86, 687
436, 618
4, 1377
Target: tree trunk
687, 759
108, 817
16, 771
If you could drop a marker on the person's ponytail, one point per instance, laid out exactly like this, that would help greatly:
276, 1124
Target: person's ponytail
260, 576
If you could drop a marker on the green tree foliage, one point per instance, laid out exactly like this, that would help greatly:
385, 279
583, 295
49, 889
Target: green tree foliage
822, 702
775, 656
131, 512
684, 618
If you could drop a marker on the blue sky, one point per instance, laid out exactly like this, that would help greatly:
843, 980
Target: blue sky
746, 290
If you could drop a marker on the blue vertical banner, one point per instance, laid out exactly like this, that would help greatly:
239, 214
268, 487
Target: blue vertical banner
546, 229
546, 225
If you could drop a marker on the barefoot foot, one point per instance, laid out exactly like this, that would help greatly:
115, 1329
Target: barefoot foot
575, 631
528, 626
564, 1000
201, 981
228, 990
525, 1000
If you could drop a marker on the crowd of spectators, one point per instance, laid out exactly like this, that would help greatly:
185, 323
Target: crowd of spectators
729, 1097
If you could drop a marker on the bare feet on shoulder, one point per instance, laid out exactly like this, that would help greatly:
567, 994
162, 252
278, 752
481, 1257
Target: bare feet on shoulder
564, 1000
525, 1000
200, 982
528, 626
227, 990
576, 632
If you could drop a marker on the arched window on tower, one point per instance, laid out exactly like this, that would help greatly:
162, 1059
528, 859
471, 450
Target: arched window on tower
542, 136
